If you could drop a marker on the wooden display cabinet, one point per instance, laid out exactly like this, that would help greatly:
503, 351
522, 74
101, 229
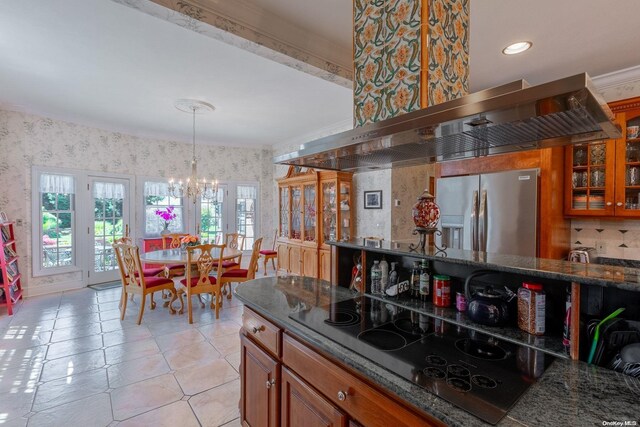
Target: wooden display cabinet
314, 207
603, 178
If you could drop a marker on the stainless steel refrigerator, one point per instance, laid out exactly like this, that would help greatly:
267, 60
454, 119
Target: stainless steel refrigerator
494, 212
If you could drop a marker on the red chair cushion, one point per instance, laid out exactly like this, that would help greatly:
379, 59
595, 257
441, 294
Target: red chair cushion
194, 281
152, 282
268, 252
149, 272
175, 266
226, 264
238, 272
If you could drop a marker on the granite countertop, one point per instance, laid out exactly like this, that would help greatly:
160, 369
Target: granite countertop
568, 393
620, 277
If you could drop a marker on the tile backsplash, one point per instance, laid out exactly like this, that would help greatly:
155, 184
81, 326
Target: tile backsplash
619, 238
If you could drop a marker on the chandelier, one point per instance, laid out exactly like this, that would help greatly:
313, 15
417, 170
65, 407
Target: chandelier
192, 187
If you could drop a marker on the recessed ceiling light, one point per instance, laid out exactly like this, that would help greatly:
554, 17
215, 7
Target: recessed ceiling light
518, 47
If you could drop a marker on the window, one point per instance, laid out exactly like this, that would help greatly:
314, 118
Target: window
156, 196
246, 199
211, 217
56, 207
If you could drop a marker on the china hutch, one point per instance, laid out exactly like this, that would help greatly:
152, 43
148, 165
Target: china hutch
314, 207
603, 178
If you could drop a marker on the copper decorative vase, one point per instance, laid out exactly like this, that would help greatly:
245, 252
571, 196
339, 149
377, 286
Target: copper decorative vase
426, 213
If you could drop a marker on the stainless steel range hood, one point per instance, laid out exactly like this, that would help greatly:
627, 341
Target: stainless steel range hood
512, 117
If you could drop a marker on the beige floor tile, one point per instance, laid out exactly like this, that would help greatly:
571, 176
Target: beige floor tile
79, 331
69, 389
175, 324
226, 344
92, 411
76, 321
72, 365
111, 305
137, 370
179, 339
16, 422
175, 414
194, 354
42, 325
117, 325
112, 314
234, 423
109, 295
198, 378
16, 404
234, 360
75, 346
16, 337
144, 396
131, 350
126, 335
221, 327
217, 406
73, 309
20, 369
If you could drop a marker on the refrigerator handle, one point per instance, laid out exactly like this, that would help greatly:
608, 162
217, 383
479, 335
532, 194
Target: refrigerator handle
474, 221
482, 222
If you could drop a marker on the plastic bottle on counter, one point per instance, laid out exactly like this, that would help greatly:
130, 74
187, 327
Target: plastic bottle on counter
393, 275
425, 280
384, 275
415, 279
375, 278
531, 308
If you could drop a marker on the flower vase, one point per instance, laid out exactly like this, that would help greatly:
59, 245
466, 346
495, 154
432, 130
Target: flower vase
165, 230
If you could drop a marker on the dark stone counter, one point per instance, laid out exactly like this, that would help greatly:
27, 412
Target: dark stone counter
568, 393
620, 277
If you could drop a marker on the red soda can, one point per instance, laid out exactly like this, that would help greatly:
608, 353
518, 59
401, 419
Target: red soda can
441, 291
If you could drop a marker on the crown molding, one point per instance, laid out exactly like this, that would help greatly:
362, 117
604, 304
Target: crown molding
617, 85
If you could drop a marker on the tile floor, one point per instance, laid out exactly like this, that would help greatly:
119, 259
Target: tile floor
67, 359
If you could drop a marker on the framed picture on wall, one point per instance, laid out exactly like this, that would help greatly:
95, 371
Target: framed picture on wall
373, 199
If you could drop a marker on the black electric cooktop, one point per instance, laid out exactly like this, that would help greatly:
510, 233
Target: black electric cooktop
483, 375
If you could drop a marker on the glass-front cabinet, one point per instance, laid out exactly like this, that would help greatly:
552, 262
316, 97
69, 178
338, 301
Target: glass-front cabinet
337, 207
315, 207
603, 178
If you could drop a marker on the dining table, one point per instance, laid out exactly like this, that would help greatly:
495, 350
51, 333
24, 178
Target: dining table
179, 256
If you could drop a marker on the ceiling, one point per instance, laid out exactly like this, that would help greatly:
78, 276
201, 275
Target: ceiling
103, 64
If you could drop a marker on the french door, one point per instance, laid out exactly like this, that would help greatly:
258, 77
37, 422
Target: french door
214, 218
109, 217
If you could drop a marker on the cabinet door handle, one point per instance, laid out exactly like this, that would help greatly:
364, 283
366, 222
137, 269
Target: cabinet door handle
270, 383
257, 329
342, 395
609, 203
619, 204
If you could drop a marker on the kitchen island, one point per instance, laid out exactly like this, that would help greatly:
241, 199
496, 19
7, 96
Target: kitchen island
569, 392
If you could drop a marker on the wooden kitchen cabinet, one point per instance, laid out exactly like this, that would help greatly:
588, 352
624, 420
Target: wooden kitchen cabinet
324, 264
314, 207
260, 386
603, 178
286, 382
303, 406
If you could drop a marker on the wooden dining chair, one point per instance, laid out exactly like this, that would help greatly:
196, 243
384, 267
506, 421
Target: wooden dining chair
172, 241
238, 275
199, 279
270, 254
135, 282
232, 241
148, 271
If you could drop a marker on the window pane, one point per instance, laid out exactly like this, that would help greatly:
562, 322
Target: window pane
57, 230
246, 213
154, 224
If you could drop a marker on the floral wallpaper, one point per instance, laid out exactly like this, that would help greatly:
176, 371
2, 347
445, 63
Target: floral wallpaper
447, 53
386, 59
29, 140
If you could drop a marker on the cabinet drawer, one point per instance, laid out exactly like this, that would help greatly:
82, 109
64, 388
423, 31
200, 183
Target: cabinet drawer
361, 401
261, 330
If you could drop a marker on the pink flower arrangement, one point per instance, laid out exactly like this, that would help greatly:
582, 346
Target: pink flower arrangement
167, 214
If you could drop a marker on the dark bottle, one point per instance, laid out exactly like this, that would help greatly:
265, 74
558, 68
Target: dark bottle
415, 279
425, 280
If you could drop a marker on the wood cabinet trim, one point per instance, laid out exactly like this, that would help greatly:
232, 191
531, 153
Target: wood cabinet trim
265, 333
271, 367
